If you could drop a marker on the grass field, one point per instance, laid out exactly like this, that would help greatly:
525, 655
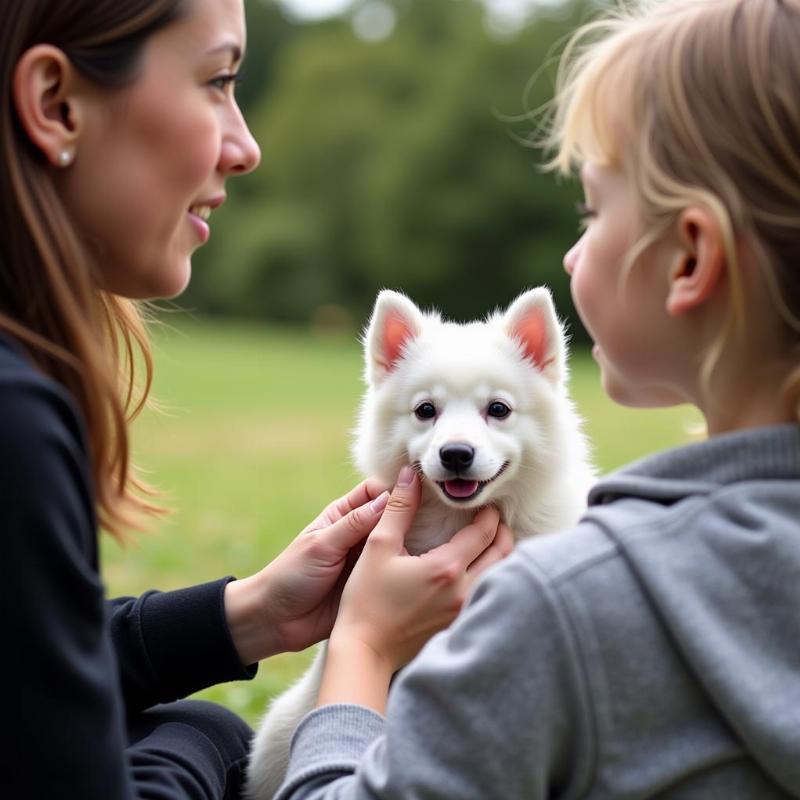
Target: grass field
252, 441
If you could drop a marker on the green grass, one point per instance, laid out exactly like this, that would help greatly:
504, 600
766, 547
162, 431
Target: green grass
252, 441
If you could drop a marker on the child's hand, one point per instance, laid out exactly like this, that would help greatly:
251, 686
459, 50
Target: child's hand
292, 602
394, 602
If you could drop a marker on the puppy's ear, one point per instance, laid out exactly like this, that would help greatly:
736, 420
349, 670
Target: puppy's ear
395, 322
532, 322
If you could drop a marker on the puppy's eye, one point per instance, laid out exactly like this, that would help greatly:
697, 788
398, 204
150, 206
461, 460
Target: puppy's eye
425, 410
498, 410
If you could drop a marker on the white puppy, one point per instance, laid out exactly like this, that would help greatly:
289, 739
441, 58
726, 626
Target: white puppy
482, 412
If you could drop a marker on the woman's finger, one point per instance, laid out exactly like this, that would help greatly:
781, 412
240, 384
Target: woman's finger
356, 525
366, 491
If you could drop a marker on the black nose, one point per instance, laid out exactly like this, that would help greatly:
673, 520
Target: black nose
456, 456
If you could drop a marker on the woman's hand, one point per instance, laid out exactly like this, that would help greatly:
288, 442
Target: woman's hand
292, 602
394, 602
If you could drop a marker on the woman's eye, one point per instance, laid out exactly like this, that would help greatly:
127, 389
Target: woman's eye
222, 82
425, 411
498, 410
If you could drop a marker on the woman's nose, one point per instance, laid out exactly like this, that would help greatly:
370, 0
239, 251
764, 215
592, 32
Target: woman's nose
240, 151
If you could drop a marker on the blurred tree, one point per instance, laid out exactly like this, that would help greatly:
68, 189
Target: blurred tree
268, 30
473, 220
392, 164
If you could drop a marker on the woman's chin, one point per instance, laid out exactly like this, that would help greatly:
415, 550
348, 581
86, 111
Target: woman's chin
179, 285
168, 284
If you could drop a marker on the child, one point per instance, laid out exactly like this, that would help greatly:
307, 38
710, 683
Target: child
652, 651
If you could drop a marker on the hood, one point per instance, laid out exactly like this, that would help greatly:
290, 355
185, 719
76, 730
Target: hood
722, 566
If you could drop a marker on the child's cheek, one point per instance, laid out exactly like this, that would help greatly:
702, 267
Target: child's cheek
583, 295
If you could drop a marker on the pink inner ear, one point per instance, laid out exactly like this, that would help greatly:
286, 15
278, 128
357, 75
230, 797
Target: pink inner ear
533, 335
395, 334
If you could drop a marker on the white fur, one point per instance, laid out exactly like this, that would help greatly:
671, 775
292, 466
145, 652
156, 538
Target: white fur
413, 357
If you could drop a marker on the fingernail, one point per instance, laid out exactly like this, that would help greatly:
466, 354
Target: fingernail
405, 477
379, 503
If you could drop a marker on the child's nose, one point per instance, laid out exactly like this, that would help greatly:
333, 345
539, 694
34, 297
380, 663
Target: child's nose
571, 257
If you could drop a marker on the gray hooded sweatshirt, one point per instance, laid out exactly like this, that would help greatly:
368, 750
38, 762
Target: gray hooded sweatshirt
654, 651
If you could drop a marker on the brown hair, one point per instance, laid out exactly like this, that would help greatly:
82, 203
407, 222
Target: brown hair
697, 102
82, 337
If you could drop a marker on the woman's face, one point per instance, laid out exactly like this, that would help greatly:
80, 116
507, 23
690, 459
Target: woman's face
152, 160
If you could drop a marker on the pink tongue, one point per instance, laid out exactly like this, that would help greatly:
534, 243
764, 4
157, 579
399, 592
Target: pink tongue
461, 488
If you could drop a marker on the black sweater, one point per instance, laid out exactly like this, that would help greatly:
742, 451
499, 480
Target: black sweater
76, 664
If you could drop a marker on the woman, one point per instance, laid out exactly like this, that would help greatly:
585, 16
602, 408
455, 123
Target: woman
119, 132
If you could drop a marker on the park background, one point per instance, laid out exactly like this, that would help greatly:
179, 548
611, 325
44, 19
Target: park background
394, 155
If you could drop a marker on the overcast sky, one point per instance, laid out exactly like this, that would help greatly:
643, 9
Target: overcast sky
316, 9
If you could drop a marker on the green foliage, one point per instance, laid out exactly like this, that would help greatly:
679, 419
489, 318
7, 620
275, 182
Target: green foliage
392, 164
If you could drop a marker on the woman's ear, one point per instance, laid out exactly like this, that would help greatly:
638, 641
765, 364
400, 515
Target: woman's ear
47, 103
700, 264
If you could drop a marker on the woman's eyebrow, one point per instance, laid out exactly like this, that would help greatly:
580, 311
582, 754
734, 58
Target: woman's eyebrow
234, 49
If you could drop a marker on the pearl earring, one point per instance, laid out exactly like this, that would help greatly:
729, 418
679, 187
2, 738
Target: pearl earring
65, 158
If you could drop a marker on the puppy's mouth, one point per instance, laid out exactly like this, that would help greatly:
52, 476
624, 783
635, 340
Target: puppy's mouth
462, 490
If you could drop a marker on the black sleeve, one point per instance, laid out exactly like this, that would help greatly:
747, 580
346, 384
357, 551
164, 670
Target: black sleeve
171, 644
64, 721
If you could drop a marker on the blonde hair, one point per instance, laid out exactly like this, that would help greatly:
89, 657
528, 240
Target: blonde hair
85, 339
696, 100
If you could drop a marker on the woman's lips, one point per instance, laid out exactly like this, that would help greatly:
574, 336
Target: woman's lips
200, 211
201, 227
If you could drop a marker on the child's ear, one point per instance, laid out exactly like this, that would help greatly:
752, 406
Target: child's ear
700, 265
531, 320
394, 323
47, 101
